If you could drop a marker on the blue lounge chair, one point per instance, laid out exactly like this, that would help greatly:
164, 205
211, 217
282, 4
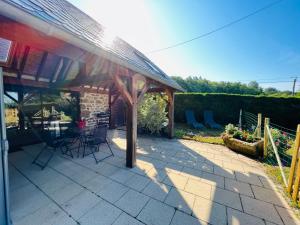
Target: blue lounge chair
191, 120
209, 120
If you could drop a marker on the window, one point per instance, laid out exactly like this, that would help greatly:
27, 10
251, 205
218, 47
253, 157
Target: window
150, 64
4, 49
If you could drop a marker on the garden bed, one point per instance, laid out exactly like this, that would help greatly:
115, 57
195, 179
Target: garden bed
254, 149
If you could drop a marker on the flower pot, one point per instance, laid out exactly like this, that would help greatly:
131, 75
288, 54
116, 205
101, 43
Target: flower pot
252, 149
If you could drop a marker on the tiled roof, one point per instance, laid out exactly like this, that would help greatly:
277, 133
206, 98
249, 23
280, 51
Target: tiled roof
67, 17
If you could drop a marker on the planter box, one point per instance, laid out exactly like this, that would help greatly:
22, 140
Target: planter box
252, 149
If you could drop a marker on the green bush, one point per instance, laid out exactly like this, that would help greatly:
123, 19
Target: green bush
152, 115
284, 111
230, 128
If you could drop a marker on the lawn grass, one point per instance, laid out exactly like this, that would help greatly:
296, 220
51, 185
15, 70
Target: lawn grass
212, 136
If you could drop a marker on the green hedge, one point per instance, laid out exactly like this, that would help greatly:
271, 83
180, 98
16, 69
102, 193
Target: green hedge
284, 111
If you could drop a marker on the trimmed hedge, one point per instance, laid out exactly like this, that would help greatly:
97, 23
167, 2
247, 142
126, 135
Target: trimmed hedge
284, 111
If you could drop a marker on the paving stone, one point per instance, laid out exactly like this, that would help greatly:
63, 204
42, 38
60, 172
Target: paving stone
198, 188
249, 178
260, 209
181, 218
192, 173
233, 166
181, 200
157, 190
267, 182
211, 212
157, 174
125, 219
204, 167
80, 204
142, 167
137, 182
101, 214
156, 213
122, 176
132, 202
96, 183
173, 168
47, 215
112, 191
288, 216
213, 179
227, 198
238, 187
55, 184
26, 200
268, 195
224, 172
176, 180
238, 218
66, 193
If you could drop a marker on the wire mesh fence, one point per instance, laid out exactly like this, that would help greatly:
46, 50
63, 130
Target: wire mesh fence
279, 142
284, 142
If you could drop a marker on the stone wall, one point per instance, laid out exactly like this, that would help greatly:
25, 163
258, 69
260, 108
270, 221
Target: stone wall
92, 103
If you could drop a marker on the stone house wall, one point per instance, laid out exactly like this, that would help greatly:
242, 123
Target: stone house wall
91, 104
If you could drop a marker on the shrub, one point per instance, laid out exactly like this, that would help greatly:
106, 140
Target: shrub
152, 114
226, 107
230, 128
238, 134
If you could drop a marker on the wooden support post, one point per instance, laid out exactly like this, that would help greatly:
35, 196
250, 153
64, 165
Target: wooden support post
294, 160
240, 119
131, 127
267, 121
170, 94
259, 120
20, 110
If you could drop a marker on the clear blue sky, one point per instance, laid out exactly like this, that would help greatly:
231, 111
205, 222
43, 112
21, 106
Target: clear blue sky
264, 47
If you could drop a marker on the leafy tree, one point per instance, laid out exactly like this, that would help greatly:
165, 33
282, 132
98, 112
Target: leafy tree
199, 84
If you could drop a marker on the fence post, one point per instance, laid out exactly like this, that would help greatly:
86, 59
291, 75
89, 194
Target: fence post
267, 121
294, 160
240, 119
259, 118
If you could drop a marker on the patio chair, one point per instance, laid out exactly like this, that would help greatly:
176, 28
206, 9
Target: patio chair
93, 142
191, 120
52, 143
209, 120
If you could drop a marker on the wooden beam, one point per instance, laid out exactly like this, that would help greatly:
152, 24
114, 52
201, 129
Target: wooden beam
58, 67
122, 89
21, 114
131, 126
115, 99
23, 62
170, 94
14, 81
143, 91
41, 66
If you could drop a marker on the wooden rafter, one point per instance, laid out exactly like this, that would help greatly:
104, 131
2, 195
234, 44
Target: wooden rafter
23, 62
56, 70
41, 66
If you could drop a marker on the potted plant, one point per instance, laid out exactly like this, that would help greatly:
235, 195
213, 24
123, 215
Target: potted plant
242, 141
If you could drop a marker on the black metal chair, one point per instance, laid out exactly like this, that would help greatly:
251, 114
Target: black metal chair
52, 143
93, 142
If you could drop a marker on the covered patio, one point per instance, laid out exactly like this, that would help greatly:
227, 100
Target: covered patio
175, 182
51, 50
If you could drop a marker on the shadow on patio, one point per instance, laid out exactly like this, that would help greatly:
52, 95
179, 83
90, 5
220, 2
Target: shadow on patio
175, 182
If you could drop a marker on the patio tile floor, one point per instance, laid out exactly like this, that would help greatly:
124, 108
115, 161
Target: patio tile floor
176, 182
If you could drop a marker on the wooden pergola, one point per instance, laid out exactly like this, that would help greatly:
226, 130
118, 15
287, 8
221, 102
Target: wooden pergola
42, 55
